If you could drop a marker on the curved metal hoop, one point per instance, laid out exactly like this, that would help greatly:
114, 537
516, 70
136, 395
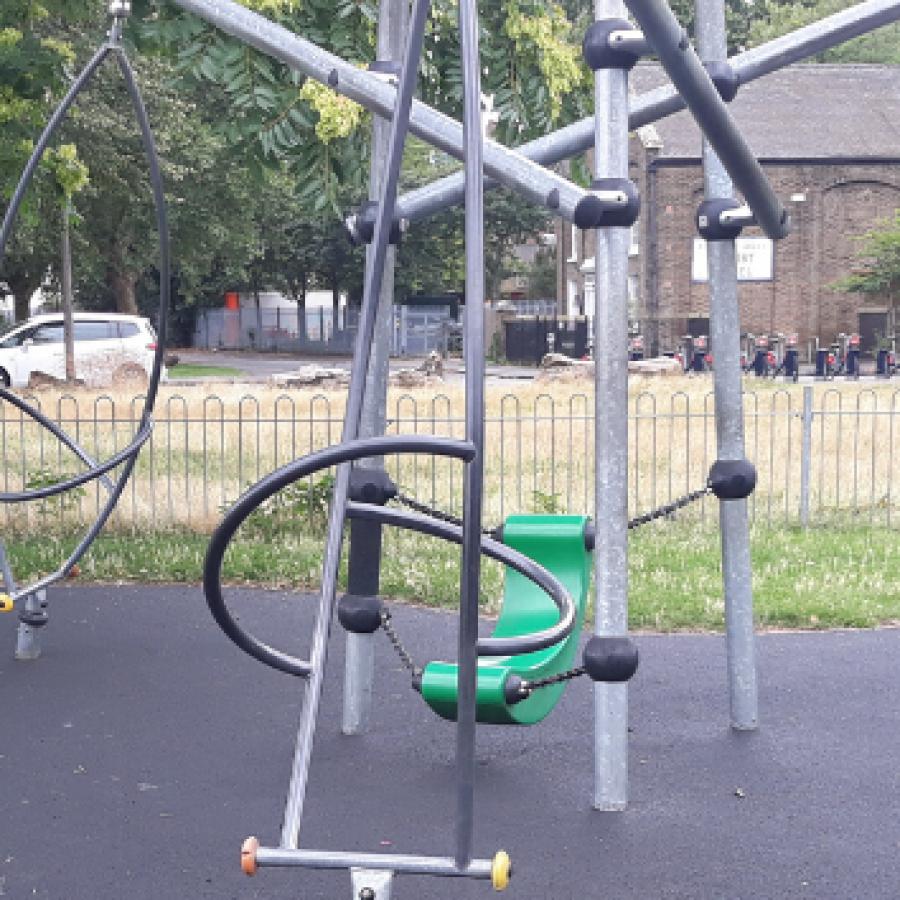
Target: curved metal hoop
128, 455
256, 495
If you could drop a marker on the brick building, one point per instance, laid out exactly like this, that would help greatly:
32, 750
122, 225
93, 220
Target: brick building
828, 137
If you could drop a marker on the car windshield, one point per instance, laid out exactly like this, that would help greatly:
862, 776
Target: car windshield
16, 338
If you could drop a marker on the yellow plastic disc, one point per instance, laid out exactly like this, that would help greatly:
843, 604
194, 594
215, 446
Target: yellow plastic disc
501, 871
6, 603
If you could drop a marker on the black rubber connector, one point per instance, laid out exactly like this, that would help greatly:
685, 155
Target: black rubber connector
512, 690
590, 536
612, 659
724, 78
709, 225
732, 479
596, 50
592, 213
36, 619
360, 227
371, 486
360, 615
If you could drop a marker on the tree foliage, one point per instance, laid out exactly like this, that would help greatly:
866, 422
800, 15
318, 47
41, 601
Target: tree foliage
879, 258
775, 19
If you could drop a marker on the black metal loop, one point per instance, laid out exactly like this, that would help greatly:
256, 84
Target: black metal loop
128, 456
258, 493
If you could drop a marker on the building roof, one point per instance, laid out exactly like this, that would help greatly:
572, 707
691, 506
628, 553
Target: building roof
806, 111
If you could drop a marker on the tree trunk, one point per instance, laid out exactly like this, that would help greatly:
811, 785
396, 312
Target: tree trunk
22, 284
335, 301
123, 286
67, 298
301, 307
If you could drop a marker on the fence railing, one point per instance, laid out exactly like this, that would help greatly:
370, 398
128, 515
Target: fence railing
820, 454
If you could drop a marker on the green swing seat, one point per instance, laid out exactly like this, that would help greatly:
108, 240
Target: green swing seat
558, 544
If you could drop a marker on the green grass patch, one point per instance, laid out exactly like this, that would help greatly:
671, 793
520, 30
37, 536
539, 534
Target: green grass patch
188, 370
847, 576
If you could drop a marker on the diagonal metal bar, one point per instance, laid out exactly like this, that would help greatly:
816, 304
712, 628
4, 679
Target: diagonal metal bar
681, 62
750, 65
306, 732
509, 167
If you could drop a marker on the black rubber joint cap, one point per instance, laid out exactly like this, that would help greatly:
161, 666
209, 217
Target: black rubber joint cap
611, 659
708, 224
592, 212
724, 78
732, 479
596, 50
359, 615
371, 486
362, 230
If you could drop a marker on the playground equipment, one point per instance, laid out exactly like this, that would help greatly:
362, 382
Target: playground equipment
32, 598
523, 663
494, 691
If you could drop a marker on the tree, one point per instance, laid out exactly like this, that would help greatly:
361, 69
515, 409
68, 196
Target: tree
776, 19
879, 256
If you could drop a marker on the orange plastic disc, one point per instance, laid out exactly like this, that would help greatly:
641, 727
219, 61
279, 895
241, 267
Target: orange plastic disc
248, 856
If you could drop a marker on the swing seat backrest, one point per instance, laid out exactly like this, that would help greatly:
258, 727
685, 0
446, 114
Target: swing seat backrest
558, 544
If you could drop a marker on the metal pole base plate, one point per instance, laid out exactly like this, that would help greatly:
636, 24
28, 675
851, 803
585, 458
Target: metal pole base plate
371, 884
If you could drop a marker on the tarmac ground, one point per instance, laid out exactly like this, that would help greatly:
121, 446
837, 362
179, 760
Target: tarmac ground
142, 748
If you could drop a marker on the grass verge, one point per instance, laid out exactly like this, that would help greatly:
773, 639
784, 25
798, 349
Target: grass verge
840, 576
188, 370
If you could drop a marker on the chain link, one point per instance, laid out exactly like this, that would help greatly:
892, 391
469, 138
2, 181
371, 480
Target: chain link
669, 508
397, 644
438, 514
529, 686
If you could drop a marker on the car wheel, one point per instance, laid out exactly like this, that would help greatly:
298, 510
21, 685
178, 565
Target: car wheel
5, 380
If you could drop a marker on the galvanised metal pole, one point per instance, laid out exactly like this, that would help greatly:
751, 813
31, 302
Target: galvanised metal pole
365, 538
806, 454
470, 581
664, 101
611, 432
542, 187
293, 812
725, 334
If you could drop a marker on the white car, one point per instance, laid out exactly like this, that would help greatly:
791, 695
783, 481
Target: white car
109, 348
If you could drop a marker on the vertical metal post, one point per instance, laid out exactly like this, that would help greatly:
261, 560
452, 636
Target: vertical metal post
806, 454
725, 333
611, 435
28, 644
474, 472
359, 668
374, 884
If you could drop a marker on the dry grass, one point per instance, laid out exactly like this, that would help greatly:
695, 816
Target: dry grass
210, 442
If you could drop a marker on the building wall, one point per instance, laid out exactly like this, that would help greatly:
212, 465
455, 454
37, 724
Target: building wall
834, 203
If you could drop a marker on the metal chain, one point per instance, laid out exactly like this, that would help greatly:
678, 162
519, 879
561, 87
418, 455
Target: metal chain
397, 644
669, 508
530, 686
438, 514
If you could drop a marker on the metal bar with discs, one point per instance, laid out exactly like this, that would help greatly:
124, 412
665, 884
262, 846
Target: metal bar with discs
542, 187
725, 335
577, 138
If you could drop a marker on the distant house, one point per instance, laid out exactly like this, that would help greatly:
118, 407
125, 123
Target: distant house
828, 137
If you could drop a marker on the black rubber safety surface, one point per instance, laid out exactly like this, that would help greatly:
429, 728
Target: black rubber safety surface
143, 747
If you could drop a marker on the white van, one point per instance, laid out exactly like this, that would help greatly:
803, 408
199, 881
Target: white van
109, 348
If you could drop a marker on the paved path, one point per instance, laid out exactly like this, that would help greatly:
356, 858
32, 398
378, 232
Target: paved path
143, 747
